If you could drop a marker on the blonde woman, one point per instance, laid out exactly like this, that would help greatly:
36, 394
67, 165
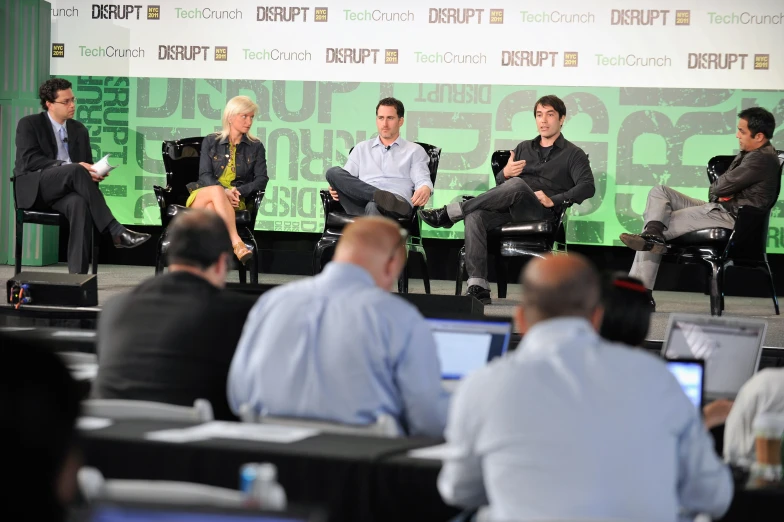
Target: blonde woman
233, 164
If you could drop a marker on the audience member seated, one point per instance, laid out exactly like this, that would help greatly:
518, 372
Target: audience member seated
763, 393
39, 402
232, 164
339, 347
171, 339
571, 426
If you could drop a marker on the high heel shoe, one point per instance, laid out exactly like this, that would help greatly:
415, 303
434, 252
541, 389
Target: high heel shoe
242, 252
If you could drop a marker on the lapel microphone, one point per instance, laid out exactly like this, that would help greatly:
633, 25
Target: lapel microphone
388, 147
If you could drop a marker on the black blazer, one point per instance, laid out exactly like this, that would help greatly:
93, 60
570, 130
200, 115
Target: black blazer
171, 340
36, 150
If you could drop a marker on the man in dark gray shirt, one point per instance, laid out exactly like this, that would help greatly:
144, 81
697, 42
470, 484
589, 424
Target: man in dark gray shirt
541, 176
752, 179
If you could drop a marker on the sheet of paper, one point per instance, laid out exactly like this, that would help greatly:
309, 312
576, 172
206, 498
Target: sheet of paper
235, 431
92, 423
102, 168
439, 452
73, 333
83, 371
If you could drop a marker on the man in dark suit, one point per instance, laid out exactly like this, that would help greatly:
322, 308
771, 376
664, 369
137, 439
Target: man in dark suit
172, 338
54, 171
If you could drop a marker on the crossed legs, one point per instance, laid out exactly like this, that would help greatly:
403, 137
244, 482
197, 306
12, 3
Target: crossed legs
214, 198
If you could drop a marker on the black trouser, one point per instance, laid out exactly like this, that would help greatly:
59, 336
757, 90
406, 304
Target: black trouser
70, 190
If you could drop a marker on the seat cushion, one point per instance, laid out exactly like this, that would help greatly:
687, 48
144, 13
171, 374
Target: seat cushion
42, 217
524, 228
705, 236
338, 220
243, 216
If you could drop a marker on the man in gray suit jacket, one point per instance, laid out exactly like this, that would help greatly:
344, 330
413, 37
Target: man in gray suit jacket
54, 170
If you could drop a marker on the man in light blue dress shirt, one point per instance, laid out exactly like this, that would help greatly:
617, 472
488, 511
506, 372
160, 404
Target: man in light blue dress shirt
571, 426
339, 346
385, 175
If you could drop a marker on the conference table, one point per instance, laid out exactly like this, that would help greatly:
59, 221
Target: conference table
355, 478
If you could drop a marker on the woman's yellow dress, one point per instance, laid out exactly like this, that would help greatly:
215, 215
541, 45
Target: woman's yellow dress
225, 179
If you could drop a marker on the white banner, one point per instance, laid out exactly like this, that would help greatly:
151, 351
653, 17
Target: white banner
634, 43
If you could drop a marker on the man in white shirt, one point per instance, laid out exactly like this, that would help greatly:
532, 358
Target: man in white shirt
763, 393
572, 426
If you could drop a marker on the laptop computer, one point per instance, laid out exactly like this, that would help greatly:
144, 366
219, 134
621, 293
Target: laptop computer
730, 347
690, 374
139, 511
467, 343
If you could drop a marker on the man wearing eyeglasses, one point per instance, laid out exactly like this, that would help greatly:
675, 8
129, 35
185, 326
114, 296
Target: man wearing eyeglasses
54, 171
339, 347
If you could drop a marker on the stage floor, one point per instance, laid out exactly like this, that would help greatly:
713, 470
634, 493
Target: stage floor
117, 279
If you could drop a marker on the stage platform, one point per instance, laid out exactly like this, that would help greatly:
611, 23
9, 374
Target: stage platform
117, 279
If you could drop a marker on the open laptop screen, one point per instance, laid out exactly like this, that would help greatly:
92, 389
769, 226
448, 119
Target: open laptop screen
730, 347
143, 512
690, 374
465, 345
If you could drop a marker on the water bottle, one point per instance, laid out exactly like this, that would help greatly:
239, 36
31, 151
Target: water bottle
259, 483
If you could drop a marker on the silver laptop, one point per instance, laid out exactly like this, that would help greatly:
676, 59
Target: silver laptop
730, 347
467, 344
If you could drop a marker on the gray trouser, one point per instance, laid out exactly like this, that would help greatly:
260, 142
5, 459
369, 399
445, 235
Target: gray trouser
680, 214
510, 201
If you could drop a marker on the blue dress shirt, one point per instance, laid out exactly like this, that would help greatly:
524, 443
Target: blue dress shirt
570, 426
402, 169
60, 132
337, 347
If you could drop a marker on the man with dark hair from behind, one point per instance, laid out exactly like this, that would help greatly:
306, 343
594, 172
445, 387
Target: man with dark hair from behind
541, 175
752, 179
385, 175
39, 403
171, 339
572, 426
54, 170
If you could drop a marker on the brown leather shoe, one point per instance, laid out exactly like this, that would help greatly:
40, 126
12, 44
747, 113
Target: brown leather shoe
242, 252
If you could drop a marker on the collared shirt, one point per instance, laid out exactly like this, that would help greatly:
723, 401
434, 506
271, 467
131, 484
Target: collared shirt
572, 426
402, 168
751, 179
563, 173
763, 393
337, 347
59, 132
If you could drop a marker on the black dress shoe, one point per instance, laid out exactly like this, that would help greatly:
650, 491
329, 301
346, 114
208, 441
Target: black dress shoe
483, 294
130, 239
655, 243
437, 218
390, 204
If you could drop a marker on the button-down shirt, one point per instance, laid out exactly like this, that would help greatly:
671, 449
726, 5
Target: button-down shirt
402, 168
337, 347
763, 393
60, 132
572, 426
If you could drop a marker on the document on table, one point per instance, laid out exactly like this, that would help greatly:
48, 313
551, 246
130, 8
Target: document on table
92, 423
235, 431
439, 452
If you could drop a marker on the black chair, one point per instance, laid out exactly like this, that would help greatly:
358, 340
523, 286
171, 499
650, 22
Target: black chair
41, 217
718, 248
181, 161
336, 219
518, 239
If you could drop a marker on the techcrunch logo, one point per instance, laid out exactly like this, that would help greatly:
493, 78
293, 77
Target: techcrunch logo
276, 55
207, 14
450, 58
192, 53
557, 17
631, 60
378, 16
125, 12
110, 52
64, 12
360, 55
745, 18
465, 15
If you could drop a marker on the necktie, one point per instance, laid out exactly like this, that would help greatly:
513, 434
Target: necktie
62, 147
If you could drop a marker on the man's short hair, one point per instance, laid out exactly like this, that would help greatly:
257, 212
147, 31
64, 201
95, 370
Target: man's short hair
576, 295
392, 102
759, 120
551, 100
48, 90
197, 238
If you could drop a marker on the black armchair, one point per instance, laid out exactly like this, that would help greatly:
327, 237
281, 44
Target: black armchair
335, 219
42, 217
721, 248
181, 161
518, 239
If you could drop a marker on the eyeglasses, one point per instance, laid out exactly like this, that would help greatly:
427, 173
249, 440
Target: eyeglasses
70, 101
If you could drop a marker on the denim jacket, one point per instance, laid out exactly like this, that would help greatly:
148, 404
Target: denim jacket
250, 159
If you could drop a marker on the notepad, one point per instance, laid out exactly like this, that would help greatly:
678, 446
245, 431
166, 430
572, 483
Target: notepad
102, 168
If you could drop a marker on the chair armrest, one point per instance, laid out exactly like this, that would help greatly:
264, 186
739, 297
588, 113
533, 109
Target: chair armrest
162, 197
253, 203
329, 204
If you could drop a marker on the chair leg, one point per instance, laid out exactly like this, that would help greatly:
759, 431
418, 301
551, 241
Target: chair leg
95, 239
254, 267
402, 282
243, 273
460, 270
715, 290
500, 273
318, 253
18, 246
160, 257
772, 288
425, 272
722, 287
